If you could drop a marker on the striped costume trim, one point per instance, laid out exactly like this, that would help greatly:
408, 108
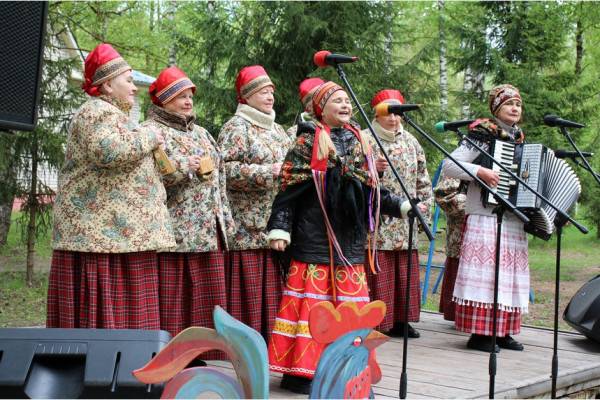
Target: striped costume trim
307, 295
255, 85
109, 70
173, 89
292, 329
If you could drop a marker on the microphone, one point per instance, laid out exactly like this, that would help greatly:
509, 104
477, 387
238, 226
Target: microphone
383, 109
444, 126
555, 120
571, 154
324, 58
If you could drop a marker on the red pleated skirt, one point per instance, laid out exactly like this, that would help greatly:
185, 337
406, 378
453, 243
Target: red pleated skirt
292, 349
478, 320
190, 286
447, 305
254, 286
99, 290
389, 286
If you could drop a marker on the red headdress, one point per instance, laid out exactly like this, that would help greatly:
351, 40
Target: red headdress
169, 83
102, 64
388, 95
307, 89
250, 80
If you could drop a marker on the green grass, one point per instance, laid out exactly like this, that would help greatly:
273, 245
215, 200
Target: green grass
578, 252
13, 255
21, 305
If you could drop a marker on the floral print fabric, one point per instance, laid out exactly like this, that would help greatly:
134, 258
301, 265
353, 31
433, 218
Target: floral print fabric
110, 197
249, 152
196, 202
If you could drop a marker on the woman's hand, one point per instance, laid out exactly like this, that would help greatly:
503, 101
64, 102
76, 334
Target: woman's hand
275, 169
381, 164
160, 139
194, 162
278, 244
491, 178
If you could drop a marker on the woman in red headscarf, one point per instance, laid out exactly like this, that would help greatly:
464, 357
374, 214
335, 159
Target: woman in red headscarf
474, 286
389, 283
110, 215
192, 276
253, 146
329, 201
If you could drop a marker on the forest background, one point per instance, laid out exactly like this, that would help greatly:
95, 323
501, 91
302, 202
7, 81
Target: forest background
444, 55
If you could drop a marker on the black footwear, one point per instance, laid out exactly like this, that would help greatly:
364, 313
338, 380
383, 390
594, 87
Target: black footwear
482, 343
398, 331
296, 384
507, 342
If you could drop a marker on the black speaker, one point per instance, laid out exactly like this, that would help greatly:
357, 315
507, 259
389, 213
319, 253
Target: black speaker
77, 363
22, 30
583, 311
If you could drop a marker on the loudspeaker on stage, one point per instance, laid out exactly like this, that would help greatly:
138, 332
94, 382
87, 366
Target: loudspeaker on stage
583, 311
77, 363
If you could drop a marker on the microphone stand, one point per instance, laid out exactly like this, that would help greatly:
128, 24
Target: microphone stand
413, 213
499, 210
559, 222
564, 131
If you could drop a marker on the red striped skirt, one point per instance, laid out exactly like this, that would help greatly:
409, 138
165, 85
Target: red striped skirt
190, 286
389, 286
254, 287
99, 290
447, 305
291, 348
478, 320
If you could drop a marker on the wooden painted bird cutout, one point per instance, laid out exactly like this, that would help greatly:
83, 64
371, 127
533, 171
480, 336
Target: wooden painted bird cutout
347, 367
244, 346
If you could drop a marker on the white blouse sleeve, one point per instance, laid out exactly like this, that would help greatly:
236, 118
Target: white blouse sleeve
465, 155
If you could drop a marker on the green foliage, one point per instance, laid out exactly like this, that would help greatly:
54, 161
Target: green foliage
547, 49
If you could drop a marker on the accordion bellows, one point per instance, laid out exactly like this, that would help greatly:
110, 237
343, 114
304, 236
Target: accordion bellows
537, 166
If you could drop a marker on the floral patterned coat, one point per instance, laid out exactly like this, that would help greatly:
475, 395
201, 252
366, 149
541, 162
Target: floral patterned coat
110, 197
408, 158
452, 201
251, 143
196, 202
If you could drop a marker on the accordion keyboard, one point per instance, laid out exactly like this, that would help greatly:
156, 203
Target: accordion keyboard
504, 153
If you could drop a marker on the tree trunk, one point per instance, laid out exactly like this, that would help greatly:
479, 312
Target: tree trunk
7, 197
5, 214
32, 209
172, 48
443, 63
467, 88
579, 45
478, 88
151, 28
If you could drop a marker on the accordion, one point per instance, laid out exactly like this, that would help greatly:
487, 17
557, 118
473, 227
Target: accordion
537, 166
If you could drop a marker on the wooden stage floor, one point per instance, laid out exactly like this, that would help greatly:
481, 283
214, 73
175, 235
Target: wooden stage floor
441, 366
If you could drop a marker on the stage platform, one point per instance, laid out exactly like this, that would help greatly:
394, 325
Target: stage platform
441, 366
